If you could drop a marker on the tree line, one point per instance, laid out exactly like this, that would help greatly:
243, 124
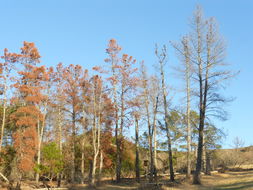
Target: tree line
64, 123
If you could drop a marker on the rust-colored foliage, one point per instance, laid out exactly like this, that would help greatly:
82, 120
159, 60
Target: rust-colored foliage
108, 149
28, 115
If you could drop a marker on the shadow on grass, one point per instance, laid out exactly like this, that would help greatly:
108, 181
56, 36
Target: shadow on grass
235, 186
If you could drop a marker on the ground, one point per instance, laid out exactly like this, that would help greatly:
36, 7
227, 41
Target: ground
242, 180
229, 180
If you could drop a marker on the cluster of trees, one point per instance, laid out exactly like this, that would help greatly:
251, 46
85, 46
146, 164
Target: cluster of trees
63, 122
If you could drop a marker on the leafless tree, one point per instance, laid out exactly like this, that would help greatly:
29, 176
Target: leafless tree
150, 102
162, 58
209, 75
184, 52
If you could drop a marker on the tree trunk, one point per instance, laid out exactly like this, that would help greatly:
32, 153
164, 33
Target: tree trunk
38, 156
172, 178
95, 152
118, 162
82, 164
94, 140
100, 166
96, 131
150, 135
59, 136
204, 155
93, 179
155, 152
151, 168
196, 179
73, 170
4, 115
40, 135
90, 171
154, 136
188, 94
137, 164
5, 178
122, 115
166, 116
208, 163
203, 88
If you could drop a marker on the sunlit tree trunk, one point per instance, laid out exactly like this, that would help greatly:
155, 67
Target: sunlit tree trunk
101, 165
82, 162
40, 138
59, 140
96, 130
5, 178
73, 139
188, 106
155, 147
4, 113
154, 136
94, 141
122, 118
38, 153
150, 135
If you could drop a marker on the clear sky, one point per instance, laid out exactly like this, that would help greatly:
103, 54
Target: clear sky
77, 32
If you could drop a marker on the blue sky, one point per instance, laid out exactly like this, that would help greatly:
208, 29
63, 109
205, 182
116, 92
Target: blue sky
77, 32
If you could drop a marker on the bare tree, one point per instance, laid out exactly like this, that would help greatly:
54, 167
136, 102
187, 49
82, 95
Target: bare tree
238, 143
209, 74
150, 93
188, 94
184, 52
162, 56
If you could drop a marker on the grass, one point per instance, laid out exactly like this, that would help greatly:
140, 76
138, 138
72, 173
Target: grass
227, 181
242, 180
231, 180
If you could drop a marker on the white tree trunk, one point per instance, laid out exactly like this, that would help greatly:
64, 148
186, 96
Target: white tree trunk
101, 165
82, 163
4, 114
188, 109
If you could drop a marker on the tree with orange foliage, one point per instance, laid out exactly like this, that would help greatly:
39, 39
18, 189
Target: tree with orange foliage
45, 84
85, 99
113, 51
123, 81
28, 115
72, 75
